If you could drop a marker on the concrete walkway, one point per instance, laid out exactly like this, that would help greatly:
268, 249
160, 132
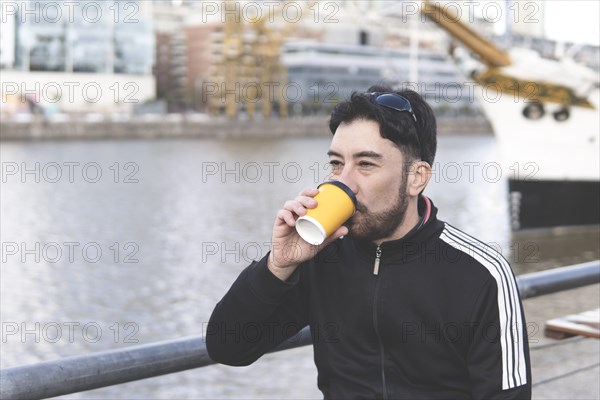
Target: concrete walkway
569, 368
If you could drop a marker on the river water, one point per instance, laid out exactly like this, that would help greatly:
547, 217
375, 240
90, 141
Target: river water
108, 244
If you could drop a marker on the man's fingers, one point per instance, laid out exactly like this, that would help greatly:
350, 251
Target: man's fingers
287, 217
293, 206
309, 191
306, 201
302, 202
299, 205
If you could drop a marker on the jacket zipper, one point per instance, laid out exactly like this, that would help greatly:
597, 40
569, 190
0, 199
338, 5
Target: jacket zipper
375, 322
377, 260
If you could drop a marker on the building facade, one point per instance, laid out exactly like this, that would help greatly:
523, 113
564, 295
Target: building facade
321, 74
84, 56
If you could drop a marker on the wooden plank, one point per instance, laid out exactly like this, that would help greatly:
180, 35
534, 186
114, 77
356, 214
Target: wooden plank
585, 324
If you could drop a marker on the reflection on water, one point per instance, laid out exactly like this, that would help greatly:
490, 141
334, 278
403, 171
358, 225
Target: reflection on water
109, 244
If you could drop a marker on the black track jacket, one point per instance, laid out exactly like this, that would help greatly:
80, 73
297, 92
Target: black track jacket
441, 319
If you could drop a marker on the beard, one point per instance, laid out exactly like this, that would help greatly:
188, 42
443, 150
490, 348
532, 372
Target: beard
371, 226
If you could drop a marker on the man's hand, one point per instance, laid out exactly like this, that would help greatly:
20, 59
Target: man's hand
288, 248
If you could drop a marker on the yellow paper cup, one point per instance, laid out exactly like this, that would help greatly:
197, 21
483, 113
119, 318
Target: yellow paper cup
336, 203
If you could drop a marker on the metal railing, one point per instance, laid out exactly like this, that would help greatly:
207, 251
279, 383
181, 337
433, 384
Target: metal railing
92, 371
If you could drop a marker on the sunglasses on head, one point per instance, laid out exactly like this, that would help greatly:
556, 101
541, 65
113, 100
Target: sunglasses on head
393, 101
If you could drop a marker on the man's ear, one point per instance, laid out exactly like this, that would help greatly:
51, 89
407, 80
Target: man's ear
418, 177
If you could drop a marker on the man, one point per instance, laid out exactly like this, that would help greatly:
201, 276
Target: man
400, 304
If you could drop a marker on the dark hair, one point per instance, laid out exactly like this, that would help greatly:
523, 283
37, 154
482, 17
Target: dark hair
399, 127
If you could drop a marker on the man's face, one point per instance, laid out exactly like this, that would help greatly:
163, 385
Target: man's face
373, 167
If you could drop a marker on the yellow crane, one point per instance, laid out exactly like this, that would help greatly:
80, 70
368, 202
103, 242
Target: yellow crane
249, 71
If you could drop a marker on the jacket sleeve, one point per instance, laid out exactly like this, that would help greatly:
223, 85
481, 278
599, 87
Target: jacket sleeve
258, 313
498, 357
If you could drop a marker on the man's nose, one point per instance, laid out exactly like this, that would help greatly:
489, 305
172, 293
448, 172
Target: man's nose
347, 178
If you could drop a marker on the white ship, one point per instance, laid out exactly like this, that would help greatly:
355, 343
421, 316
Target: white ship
546, 120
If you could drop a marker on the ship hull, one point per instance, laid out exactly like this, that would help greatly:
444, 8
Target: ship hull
547, 203
553, 166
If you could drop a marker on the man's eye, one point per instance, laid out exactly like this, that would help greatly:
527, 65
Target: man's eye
335, 164
366, 164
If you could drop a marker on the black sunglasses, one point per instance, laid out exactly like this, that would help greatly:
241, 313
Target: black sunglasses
393, 101
398, 103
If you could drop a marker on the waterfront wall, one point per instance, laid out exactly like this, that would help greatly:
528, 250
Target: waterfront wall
76, 92
181, 126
